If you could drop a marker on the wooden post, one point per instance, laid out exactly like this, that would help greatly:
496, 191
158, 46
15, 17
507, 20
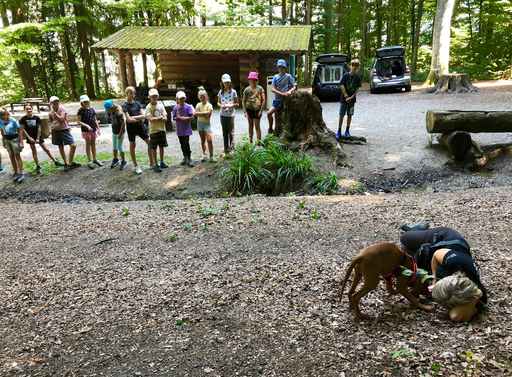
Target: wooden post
131, 69
122, 69
446, 121
145, 69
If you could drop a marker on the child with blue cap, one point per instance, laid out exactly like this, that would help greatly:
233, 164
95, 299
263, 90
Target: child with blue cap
283, 85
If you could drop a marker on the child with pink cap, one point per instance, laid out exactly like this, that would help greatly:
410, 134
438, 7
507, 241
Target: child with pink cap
253, 102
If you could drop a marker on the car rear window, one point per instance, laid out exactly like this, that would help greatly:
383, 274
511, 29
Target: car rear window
331, 73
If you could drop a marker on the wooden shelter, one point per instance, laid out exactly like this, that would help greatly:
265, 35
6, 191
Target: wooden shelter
201, 55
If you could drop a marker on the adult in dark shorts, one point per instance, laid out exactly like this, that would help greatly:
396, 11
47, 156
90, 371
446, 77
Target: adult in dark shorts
31, 126
457, 286
134, 114
61, 134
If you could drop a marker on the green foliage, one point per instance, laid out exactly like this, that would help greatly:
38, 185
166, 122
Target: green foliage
403, 351
436, 368
270, 170
325, 184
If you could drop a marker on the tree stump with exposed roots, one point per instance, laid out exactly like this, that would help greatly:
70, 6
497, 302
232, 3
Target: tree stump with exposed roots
453, 83
301, 126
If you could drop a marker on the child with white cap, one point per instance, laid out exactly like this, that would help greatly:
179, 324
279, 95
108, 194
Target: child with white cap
90, 129
157, 138
183, 113
227, 101
283, 85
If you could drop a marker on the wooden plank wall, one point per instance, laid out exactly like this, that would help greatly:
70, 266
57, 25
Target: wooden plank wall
249, 62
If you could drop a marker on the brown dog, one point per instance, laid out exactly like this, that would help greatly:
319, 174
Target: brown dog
383, 259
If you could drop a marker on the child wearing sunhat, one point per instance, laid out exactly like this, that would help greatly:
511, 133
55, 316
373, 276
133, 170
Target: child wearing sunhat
227, 101
90, 129
283, 85
253, 102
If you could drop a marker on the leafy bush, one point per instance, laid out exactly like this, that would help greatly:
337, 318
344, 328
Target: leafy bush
270, 170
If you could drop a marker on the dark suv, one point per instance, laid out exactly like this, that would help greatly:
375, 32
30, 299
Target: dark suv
390, 70
328, 74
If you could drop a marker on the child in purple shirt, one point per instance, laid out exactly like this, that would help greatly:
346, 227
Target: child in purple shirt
183, 113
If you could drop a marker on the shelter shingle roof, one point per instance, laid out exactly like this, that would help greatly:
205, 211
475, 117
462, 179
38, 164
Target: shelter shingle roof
209, 38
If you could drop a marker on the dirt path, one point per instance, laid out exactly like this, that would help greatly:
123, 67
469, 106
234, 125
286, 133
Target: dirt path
239, 287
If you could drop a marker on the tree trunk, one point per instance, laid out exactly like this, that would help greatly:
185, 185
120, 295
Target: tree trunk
441, 41
445, 121
145, 69
378, 11
328, 26
416, 43
270, 12
453, 83
283, 11
340, 26
458, 143
68, 58
81, 28
363, 39
301, 125
96, 73
391, 21
105, 74
308, 57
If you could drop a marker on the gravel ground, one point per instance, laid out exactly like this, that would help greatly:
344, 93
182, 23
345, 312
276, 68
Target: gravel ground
237, 287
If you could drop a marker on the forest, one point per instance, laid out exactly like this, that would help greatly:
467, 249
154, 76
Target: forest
46, 46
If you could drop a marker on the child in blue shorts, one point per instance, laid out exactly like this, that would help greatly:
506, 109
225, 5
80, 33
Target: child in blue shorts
283, 85
350, 85
12, 140
203, 113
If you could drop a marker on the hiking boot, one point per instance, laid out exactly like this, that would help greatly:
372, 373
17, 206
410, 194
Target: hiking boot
138, 170
205, 157
38, 169
163, 165
414, 226
74, 165
347, 134
15, 177
114, 163
1, 168
66, 167
338, 134
58, 163
191, 163
123, 165
21, 177
213, 159
157, 168
184, 161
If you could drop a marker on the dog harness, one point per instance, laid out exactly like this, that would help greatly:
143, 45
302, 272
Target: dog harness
398, 271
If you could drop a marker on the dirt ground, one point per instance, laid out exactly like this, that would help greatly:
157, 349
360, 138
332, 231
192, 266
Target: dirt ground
104, 272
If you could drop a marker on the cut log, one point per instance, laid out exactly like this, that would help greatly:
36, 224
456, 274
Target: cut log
460, 144
453, 83
300, 121
446, 121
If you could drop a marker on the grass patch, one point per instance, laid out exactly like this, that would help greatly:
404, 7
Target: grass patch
324, 184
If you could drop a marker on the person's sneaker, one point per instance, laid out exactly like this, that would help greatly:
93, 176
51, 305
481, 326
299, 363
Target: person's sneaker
151, 167
123, 165
222, 154
157, 168
138, 170
231, 153
338, 134
74, 165
347, 134
205, 157
66, 167
163, 165
213, 159
38, 169
191, 163
15, 177
58, 163
114, 163
184, 161
1, 168
98, 162
21, 177
91, 164
414, 226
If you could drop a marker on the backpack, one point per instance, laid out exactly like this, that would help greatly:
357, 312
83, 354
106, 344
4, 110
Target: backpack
423, 257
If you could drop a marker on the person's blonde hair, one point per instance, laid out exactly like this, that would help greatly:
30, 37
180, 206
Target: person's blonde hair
355, 63
129, 89
4, 112
119, 109
202, 92
455, 290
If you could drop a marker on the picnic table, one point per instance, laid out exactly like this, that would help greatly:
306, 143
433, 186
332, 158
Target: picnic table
35, 102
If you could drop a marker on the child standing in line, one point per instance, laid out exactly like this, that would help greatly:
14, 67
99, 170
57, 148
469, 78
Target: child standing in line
61, 135
203, 112
12, 140
283, 85
350, 85
183, 113
253, 103
134, 115
114, 115
157, 138
90, 129
227, 101
31, 126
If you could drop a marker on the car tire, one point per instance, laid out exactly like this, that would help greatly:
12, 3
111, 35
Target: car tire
373, 90
407, 88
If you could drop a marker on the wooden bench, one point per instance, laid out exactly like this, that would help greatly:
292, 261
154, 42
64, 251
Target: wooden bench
35, 102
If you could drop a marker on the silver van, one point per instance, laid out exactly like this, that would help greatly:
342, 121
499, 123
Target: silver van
390, 70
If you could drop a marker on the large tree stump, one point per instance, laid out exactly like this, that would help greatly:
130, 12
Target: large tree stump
444, 121
453, 83
300, 122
